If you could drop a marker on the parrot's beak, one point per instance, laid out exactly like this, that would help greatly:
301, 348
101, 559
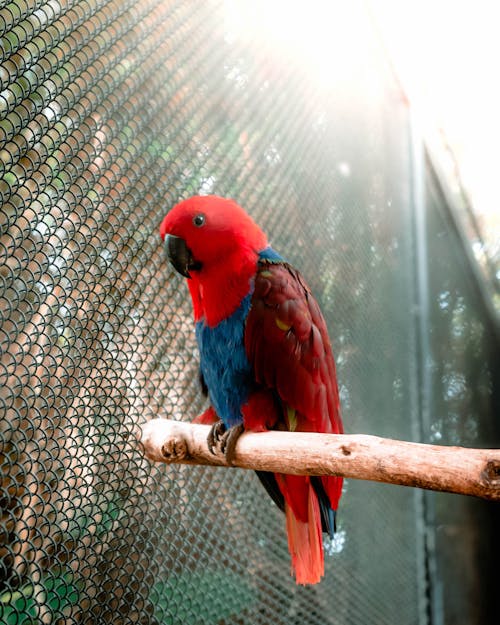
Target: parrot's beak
180, 256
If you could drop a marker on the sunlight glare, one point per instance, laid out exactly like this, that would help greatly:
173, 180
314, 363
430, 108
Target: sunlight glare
317, 35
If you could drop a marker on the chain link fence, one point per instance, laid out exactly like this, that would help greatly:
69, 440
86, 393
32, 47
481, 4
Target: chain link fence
111, 111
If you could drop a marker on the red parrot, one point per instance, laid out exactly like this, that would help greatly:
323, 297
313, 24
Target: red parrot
265, 356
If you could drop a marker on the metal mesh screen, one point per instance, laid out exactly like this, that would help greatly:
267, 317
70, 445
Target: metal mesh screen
110, 113
462, 404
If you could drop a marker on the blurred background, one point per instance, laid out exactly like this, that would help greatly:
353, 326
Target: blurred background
361, 136
443, 56
444, 53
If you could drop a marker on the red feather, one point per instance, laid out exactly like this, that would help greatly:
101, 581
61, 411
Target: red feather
287, 342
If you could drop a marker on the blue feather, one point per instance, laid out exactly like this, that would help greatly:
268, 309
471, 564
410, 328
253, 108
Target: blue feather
224, 363
271, 255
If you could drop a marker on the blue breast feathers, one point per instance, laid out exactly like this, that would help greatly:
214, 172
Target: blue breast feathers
224, 364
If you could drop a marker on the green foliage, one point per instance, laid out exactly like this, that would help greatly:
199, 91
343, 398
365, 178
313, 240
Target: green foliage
200, 597
55, 594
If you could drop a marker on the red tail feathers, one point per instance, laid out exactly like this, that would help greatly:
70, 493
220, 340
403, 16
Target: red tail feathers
305, 540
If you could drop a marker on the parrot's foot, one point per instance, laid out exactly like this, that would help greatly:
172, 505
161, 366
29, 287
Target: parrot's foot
226, 439
229, 440
215, 435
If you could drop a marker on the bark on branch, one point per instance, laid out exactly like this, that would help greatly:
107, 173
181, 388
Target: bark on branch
452, 469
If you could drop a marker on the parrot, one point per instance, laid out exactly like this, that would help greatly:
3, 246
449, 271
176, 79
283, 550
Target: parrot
266, 361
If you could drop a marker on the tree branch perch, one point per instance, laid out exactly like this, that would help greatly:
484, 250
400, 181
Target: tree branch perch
451, 469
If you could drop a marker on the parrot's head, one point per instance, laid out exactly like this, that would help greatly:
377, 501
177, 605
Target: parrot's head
215, 244
207, 234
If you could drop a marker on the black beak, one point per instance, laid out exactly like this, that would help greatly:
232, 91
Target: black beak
179, 254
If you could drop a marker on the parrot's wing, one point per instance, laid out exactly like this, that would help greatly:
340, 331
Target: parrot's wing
287, 343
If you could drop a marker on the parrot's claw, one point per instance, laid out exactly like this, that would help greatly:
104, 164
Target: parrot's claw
219, 436
215, 435
229, 440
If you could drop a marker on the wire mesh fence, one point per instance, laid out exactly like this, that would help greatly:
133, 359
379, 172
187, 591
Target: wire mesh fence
110, 113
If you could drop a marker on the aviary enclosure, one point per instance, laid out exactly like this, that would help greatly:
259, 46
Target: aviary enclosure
111, 111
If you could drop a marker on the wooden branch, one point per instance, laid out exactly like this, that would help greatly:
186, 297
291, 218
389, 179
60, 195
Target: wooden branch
452, 469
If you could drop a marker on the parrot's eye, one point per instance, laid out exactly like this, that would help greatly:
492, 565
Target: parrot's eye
199, 220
